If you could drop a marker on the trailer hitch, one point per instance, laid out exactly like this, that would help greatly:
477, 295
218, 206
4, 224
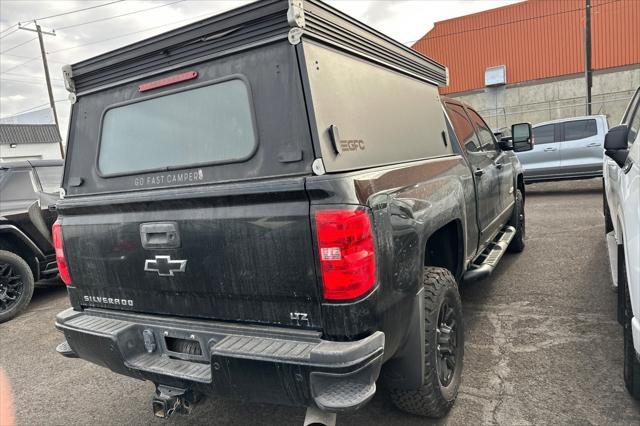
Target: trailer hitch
169, 400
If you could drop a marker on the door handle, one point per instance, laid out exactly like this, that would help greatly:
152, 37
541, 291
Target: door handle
478, 172
594, 144
550, 149
498, 165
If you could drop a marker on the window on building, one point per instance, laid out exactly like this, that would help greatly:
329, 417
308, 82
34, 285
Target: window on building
544, 134
579, 129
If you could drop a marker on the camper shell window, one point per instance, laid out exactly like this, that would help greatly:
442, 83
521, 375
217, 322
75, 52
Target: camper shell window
209, 123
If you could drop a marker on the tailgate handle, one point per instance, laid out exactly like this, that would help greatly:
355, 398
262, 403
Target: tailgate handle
157, 235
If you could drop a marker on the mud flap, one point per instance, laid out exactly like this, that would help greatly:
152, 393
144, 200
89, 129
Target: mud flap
406, 369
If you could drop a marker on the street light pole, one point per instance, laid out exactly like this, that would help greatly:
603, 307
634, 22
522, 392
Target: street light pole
46, 75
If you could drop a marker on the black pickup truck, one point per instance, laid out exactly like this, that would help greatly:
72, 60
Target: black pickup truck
274, 204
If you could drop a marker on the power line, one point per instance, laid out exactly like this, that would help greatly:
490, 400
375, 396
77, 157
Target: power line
31, 57
19, 65
76, 11
25, 82
16, 46
18, 56
17, 24
127, 34
9, 27
30, 76
32, 108
9, 33
118, 16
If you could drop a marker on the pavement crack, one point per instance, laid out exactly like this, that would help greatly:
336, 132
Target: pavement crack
501, 370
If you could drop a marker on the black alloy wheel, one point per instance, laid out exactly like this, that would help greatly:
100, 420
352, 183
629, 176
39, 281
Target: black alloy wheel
16, 285
446, 336
11, 286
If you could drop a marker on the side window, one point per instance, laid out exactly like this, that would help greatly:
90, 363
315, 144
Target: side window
634, 126
485, 134
579, 129
463, 128
544, 134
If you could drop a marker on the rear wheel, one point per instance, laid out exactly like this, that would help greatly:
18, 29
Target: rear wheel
518, 222
444, 348
16, 285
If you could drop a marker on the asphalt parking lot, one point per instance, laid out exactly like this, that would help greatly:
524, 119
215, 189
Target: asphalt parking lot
542, 343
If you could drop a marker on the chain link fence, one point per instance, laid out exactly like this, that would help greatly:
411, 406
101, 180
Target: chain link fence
612, 104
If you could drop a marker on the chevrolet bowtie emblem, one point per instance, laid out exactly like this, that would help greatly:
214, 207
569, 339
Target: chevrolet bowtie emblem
164, 266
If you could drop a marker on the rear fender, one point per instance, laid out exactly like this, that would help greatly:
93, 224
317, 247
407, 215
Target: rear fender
19, 243
12, 232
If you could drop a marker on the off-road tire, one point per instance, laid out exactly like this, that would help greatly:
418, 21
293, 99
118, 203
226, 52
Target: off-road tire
518, 221
631, 363
21, 267
433, 399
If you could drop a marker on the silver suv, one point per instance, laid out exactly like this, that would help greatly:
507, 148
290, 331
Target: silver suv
568, 148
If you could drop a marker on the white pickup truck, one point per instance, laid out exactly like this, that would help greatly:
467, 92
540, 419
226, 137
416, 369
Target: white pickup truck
622, 222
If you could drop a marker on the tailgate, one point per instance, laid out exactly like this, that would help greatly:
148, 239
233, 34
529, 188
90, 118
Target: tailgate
234, 257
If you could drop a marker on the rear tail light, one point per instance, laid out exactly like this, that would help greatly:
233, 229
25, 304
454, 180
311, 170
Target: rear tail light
63, 268
347, 252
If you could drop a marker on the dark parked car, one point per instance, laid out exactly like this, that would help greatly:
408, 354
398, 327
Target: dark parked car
272, 205
27, 189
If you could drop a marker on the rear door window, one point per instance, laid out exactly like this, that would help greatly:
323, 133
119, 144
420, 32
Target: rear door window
579, 129
463, 128
487, 138
544, 134
208, 124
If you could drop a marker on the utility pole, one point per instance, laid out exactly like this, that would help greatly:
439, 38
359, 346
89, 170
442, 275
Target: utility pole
587, 53
46, 75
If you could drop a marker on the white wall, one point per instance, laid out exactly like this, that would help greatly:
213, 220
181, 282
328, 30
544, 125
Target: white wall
30, 151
